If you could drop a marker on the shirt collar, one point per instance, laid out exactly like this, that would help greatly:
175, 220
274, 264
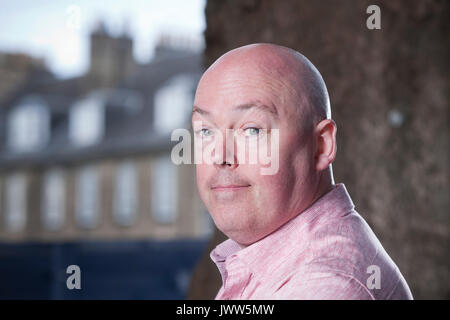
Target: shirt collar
334, 203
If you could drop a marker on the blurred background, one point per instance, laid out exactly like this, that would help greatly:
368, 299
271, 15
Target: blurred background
90, 92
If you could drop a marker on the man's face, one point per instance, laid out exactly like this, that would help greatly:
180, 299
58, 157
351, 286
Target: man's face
245, 204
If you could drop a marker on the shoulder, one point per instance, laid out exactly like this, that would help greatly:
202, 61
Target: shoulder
323, 286
344, 245
338, 262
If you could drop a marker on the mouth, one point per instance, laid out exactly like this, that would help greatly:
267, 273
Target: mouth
229, 188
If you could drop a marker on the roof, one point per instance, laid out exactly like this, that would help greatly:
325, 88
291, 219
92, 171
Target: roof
128, 130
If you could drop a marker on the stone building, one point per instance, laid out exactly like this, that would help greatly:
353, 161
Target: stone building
89, 157
15, 68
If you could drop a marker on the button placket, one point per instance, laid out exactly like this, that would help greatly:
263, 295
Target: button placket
237, 279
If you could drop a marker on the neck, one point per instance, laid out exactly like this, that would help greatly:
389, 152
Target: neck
325, 183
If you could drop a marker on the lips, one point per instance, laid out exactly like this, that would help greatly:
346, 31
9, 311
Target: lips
229, 187
227, 182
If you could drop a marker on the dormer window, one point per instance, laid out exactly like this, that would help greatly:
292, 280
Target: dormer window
28, 125
172, 104
86, 123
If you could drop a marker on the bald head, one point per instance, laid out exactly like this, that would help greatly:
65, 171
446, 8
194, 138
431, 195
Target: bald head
267, 95
295, 75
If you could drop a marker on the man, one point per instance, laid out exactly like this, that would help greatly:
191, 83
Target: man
293, 233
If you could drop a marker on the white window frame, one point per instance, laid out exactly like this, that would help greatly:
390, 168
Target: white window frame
16, 202
87, 121
125, 194
87, 205
53, 199
164, 190
28, 125
172, 104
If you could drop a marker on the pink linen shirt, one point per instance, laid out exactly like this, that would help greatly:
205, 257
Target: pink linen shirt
326, 252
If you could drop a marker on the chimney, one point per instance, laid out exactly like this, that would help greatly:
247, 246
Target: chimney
111, 58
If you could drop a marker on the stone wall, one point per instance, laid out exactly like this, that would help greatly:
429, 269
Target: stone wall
190, 221
389, 92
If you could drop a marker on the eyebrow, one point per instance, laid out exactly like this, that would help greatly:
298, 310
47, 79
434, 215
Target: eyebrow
241, 107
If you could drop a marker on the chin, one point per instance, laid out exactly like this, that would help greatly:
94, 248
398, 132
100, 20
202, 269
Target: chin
243, 237
245, 240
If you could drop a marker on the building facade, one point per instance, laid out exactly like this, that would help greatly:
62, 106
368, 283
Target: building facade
89, 157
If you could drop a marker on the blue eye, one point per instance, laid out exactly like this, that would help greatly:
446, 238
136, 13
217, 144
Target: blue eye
205, 132
252, 131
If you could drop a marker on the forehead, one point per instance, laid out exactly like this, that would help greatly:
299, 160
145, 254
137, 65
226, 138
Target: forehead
228, 86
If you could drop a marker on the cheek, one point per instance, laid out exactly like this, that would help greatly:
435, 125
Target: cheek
203, 174
294, 168
277, 188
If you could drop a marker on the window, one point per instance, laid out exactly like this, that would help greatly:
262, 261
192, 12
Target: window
125, 194
208, 224
172, 104
131, 101
164, 190
28, 125
16, 196
53, 199
87, 198
86, 123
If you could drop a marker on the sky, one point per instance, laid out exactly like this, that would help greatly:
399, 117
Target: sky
58, 30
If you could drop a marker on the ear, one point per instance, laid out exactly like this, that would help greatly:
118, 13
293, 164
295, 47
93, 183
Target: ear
325, 153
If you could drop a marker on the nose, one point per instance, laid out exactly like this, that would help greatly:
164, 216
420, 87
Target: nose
225, 151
